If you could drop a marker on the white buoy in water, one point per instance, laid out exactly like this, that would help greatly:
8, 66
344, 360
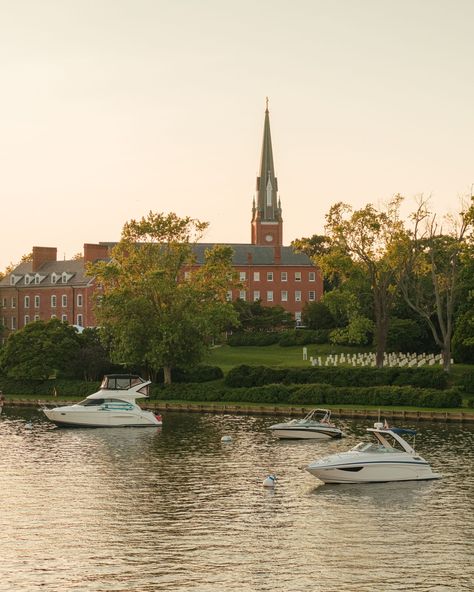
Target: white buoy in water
226, 439
269, 481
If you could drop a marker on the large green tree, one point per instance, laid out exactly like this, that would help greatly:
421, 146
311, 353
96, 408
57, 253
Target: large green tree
41, 350
156, 307
434, 254
362, 243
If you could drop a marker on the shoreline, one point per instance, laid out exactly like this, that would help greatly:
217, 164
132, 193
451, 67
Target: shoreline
242, 409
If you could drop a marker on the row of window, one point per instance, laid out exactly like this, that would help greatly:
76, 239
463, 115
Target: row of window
37, 301
257, 295
283, 276
27, 319
38, 278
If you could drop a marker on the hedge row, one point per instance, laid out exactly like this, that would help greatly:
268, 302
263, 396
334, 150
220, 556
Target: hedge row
48, 388
314, 394
248, 376
284, 338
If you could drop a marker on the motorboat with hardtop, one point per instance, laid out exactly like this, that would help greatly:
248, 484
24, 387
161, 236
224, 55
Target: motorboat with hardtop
388, 458
316, 425
114, 405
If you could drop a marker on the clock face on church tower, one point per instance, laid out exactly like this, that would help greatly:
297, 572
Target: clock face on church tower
268, 238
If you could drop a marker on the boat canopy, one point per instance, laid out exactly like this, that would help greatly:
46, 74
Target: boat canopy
121, 382
403, 431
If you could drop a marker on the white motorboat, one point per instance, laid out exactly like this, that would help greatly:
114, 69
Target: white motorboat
114, 405
316, 425
388, 458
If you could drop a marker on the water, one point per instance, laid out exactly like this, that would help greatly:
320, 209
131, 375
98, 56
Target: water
176, 509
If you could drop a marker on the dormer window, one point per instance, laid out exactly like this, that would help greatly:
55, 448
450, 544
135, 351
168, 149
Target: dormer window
28, 279
65, 277
39, 278
14, 279
54, 277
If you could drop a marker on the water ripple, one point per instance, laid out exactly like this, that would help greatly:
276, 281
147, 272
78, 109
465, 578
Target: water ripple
176, 509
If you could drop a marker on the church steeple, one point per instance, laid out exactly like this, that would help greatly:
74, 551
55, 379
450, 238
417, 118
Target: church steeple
267, 224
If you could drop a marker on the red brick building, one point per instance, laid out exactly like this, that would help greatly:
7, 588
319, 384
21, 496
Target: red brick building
46, 288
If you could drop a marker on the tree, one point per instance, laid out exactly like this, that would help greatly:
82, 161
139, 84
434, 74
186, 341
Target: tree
316, 315
156, 307
253, 316
363, 242
434, 257
41, 350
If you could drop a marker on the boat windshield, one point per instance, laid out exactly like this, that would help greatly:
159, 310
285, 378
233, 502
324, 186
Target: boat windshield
91, 402
120, 382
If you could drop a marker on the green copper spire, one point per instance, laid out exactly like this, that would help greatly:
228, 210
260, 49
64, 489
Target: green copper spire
267, 183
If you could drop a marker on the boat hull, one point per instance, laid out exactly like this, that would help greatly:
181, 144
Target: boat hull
101, 419
305, 433
373, 472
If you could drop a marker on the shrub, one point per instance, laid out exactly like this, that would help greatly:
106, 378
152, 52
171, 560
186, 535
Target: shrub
258, 339
247, 376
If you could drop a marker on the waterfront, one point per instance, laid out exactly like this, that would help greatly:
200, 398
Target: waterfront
176, 509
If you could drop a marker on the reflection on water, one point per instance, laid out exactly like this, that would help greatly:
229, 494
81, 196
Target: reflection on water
176, 509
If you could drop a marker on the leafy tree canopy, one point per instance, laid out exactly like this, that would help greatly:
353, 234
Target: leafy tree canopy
157, 308
41, 350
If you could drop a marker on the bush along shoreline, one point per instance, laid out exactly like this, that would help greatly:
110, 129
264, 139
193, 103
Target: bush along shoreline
290, 386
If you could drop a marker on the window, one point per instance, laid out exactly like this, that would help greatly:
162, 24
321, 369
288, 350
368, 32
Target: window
26, 302
229, 295
37, 301
284, 276
256, 276
13, 302
53, 316
187, 277
4, 303
269, 276
79, 296
13, 325
312, 276
298, 318
54, 278
284, 296
27, 279
311, 295
297, 276
37, 317
79, 320
242, 276
242, 294
270, 296
297, 296
26, 319
53, 301
64, 300
256, 295
64, 318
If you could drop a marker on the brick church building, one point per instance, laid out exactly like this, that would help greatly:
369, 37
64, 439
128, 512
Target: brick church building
46, 288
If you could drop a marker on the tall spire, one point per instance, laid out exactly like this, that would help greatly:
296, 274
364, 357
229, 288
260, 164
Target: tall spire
268, 208
267, 183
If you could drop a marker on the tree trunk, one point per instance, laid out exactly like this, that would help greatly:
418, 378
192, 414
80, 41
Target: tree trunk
167, 374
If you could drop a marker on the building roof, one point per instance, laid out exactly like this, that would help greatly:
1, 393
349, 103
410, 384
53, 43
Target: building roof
73, 270
247, 254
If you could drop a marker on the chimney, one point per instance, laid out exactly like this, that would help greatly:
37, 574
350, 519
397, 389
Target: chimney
93, 252
42, 255
277, 255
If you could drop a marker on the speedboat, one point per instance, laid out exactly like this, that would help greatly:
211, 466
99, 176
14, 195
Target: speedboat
388, 458
114, 405
316, 425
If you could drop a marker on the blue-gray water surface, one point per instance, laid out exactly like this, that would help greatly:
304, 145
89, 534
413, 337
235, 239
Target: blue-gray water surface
176, 509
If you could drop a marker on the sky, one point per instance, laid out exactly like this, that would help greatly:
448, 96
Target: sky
114, 108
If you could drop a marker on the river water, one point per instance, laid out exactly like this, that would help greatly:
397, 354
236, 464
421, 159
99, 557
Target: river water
176, 509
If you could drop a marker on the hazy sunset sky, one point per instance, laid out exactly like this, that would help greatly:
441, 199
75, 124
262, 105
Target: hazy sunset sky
113, 108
